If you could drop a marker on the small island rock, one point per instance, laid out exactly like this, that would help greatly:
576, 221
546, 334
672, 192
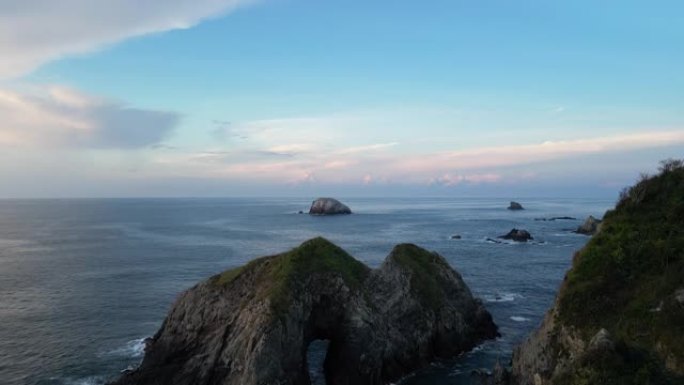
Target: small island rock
515, 206
328, 206
589, 227
518, 235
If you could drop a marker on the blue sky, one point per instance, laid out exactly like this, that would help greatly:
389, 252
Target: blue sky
298, 97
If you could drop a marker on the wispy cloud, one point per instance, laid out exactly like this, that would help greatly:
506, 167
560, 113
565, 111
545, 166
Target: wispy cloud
33, 32
331, 151
366, 148
56, 116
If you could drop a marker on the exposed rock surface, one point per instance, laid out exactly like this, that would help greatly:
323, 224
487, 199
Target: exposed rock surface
328, 206
517, 235
590, 226
515, 206
252, 325
618, 318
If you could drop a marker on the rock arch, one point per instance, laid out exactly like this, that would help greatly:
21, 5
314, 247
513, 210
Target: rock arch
253, 325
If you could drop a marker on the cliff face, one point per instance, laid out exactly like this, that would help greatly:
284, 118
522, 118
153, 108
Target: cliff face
252, 325
619, 314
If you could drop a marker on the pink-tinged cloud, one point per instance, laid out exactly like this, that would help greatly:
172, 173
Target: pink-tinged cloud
395, 165
491, 157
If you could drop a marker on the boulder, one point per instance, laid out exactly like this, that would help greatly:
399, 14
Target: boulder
589, 227
252, 325
328, 206
518, 235
515, 206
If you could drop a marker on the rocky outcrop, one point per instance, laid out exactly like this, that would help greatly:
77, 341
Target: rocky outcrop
515, 206
552, 219
252, 325
517, 235
328, 206
618, 318
590, 226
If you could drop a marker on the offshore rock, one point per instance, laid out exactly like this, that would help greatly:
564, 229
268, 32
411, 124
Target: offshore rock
515, 206
518, 235
328, 206
252, 325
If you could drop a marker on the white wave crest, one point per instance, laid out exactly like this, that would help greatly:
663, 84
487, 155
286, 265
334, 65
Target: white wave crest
133, 348
502, 297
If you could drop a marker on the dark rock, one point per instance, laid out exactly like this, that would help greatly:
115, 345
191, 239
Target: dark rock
515, 206
480, 372
328, 206
590, 227
556, 219
500, 376
252, 325
518, 235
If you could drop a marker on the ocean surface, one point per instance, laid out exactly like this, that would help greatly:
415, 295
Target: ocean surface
84, 281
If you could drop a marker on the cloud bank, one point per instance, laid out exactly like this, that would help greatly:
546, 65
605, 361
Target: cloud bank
33, 32
337, 150
55, 116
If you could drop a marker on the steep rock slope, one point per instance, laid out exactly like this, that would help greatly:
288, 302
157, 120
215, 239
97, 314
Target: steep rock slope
252, 325
619, 315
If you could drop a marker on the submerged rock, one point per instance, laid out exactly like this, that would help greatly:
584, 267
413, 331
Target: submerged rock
518, 235
328, 206
252, 325
515, 206
552, 219
589, 227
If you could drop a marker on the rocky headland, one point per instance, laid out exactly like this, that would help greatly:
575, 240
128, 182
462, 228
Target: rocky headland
252, 325
618, 318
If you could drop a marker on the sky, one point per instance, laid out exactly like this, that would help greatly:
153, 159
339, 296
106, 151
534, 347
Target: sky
220, 98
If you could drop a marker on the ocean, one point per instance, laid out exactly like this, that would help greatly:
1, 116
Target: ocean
84, 281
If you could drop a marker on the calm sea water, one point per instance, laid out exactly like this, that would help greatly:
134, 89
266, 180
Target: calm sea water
82, 282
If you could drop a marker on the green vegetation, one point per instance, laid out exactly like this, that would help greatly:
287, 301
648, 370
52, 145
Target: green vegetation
278, 275
425, 275
624, 280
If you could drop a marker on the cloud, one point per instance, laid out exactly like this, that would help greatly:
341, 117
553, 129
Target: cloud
33, 32
56, 116
490, 157
333, 163
366, 148
453, 180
